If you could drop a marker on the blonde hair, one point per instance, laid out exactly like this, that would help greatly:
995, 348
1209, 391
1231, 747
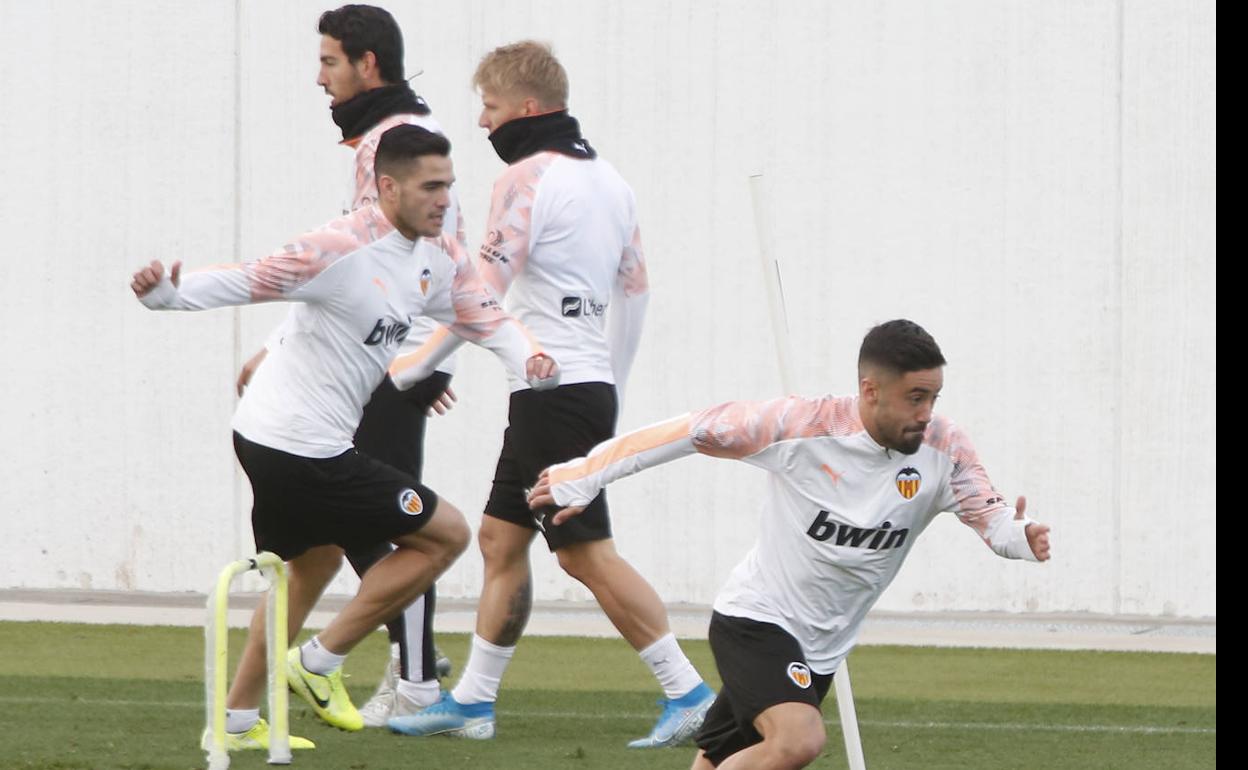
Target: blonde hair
524, 69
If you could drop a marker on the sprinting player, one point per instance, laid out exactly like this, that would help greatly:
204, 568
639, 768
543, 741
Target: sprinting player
563, 237
360, 280
361, 68
854, 481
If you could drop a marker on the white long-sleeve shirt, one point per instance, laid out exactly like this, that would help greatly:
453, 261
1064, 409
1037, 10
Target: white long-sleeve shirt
841, 512
563, 246
360, 284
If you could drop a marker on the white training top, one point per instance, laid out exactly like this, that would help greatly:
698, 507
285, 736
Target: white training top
360, 284
841, 513
562, 236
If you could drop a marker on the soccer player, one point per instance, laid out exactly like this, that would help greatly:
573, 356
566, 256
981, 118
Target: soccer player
361, 58
563, 237
360, 281
854, 480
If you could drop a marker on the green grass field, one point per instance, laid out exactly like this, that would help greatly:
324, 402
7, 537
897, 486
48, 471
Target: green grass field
78, 697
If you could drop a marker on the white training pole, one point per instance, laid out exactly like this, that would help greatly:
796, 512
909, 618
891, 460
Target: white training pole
775, 290
784, 360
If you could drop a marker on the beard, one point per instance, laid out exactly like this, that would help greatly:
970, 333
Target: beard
910, 442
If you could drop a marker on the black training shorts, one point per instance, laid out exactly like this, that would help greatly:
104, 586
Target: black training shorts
350, 500
761, 665
544, 428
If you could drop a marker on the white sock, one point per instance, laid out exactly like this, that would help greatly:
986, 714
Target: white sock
421, 693
484, 672
241, 720
668, 663
319, 660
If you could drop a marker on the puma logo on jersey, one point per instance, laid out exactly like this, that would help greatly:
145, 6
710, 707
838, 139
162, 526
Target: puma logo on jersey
387, 334
836, 477
575, 307
873, 538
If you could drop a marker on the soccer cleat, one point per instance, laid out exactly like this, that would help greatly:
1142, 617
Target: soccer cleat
325, 693
255, 738
448, 717
380, 707
680, 719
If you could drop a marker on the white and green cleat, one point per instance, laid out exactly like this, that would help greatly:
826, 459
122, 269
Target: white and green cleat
324, 693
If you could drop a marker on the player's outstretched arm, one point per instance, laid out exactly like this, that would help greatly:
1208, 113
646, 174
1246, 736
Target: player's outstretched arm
735, 430
472, 312
294, 273
507, 339
573, 484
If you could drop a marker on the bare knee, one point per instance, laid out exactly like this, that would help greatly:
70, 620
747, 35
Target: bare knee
587, 562
801, 749
793, 734
504, 546
452, 534
443, 538
459, 534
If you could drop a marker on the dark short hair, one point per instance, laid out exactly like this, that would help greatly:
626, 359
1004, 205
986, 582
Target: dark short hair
900, 346
403, 144
363, 28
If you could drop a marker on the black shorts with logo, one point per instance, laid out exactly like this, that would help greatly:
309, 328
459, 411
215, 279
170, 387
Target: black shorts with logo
350, 500
761, 665
547, 427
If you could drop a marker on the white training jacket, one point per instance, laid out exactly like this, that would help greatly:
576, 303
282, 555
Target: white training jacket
562, 244
360, 285
841, 512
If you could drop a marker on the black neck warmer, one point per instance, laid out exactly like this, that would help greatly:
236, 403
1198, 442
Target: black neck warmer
556, 131
361, 112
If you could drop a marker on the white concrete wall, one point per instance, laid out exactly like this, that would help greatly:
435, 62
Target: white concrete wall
1034, 182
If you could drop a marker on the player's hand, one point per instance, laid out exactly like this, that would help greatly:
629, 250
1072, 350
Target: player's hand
541, 371
1037, 533
540, 497
148, 278
443, 403
249, 368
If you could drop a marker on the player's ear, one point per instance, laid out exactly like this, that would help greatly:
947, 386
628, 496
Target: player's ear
367, 63
387, 187
869, 389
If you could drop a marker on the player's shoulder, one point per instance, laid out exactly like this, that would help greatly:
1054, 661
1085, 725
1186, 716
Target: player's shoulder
947, 437
352, 232
529, 170
827, 415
